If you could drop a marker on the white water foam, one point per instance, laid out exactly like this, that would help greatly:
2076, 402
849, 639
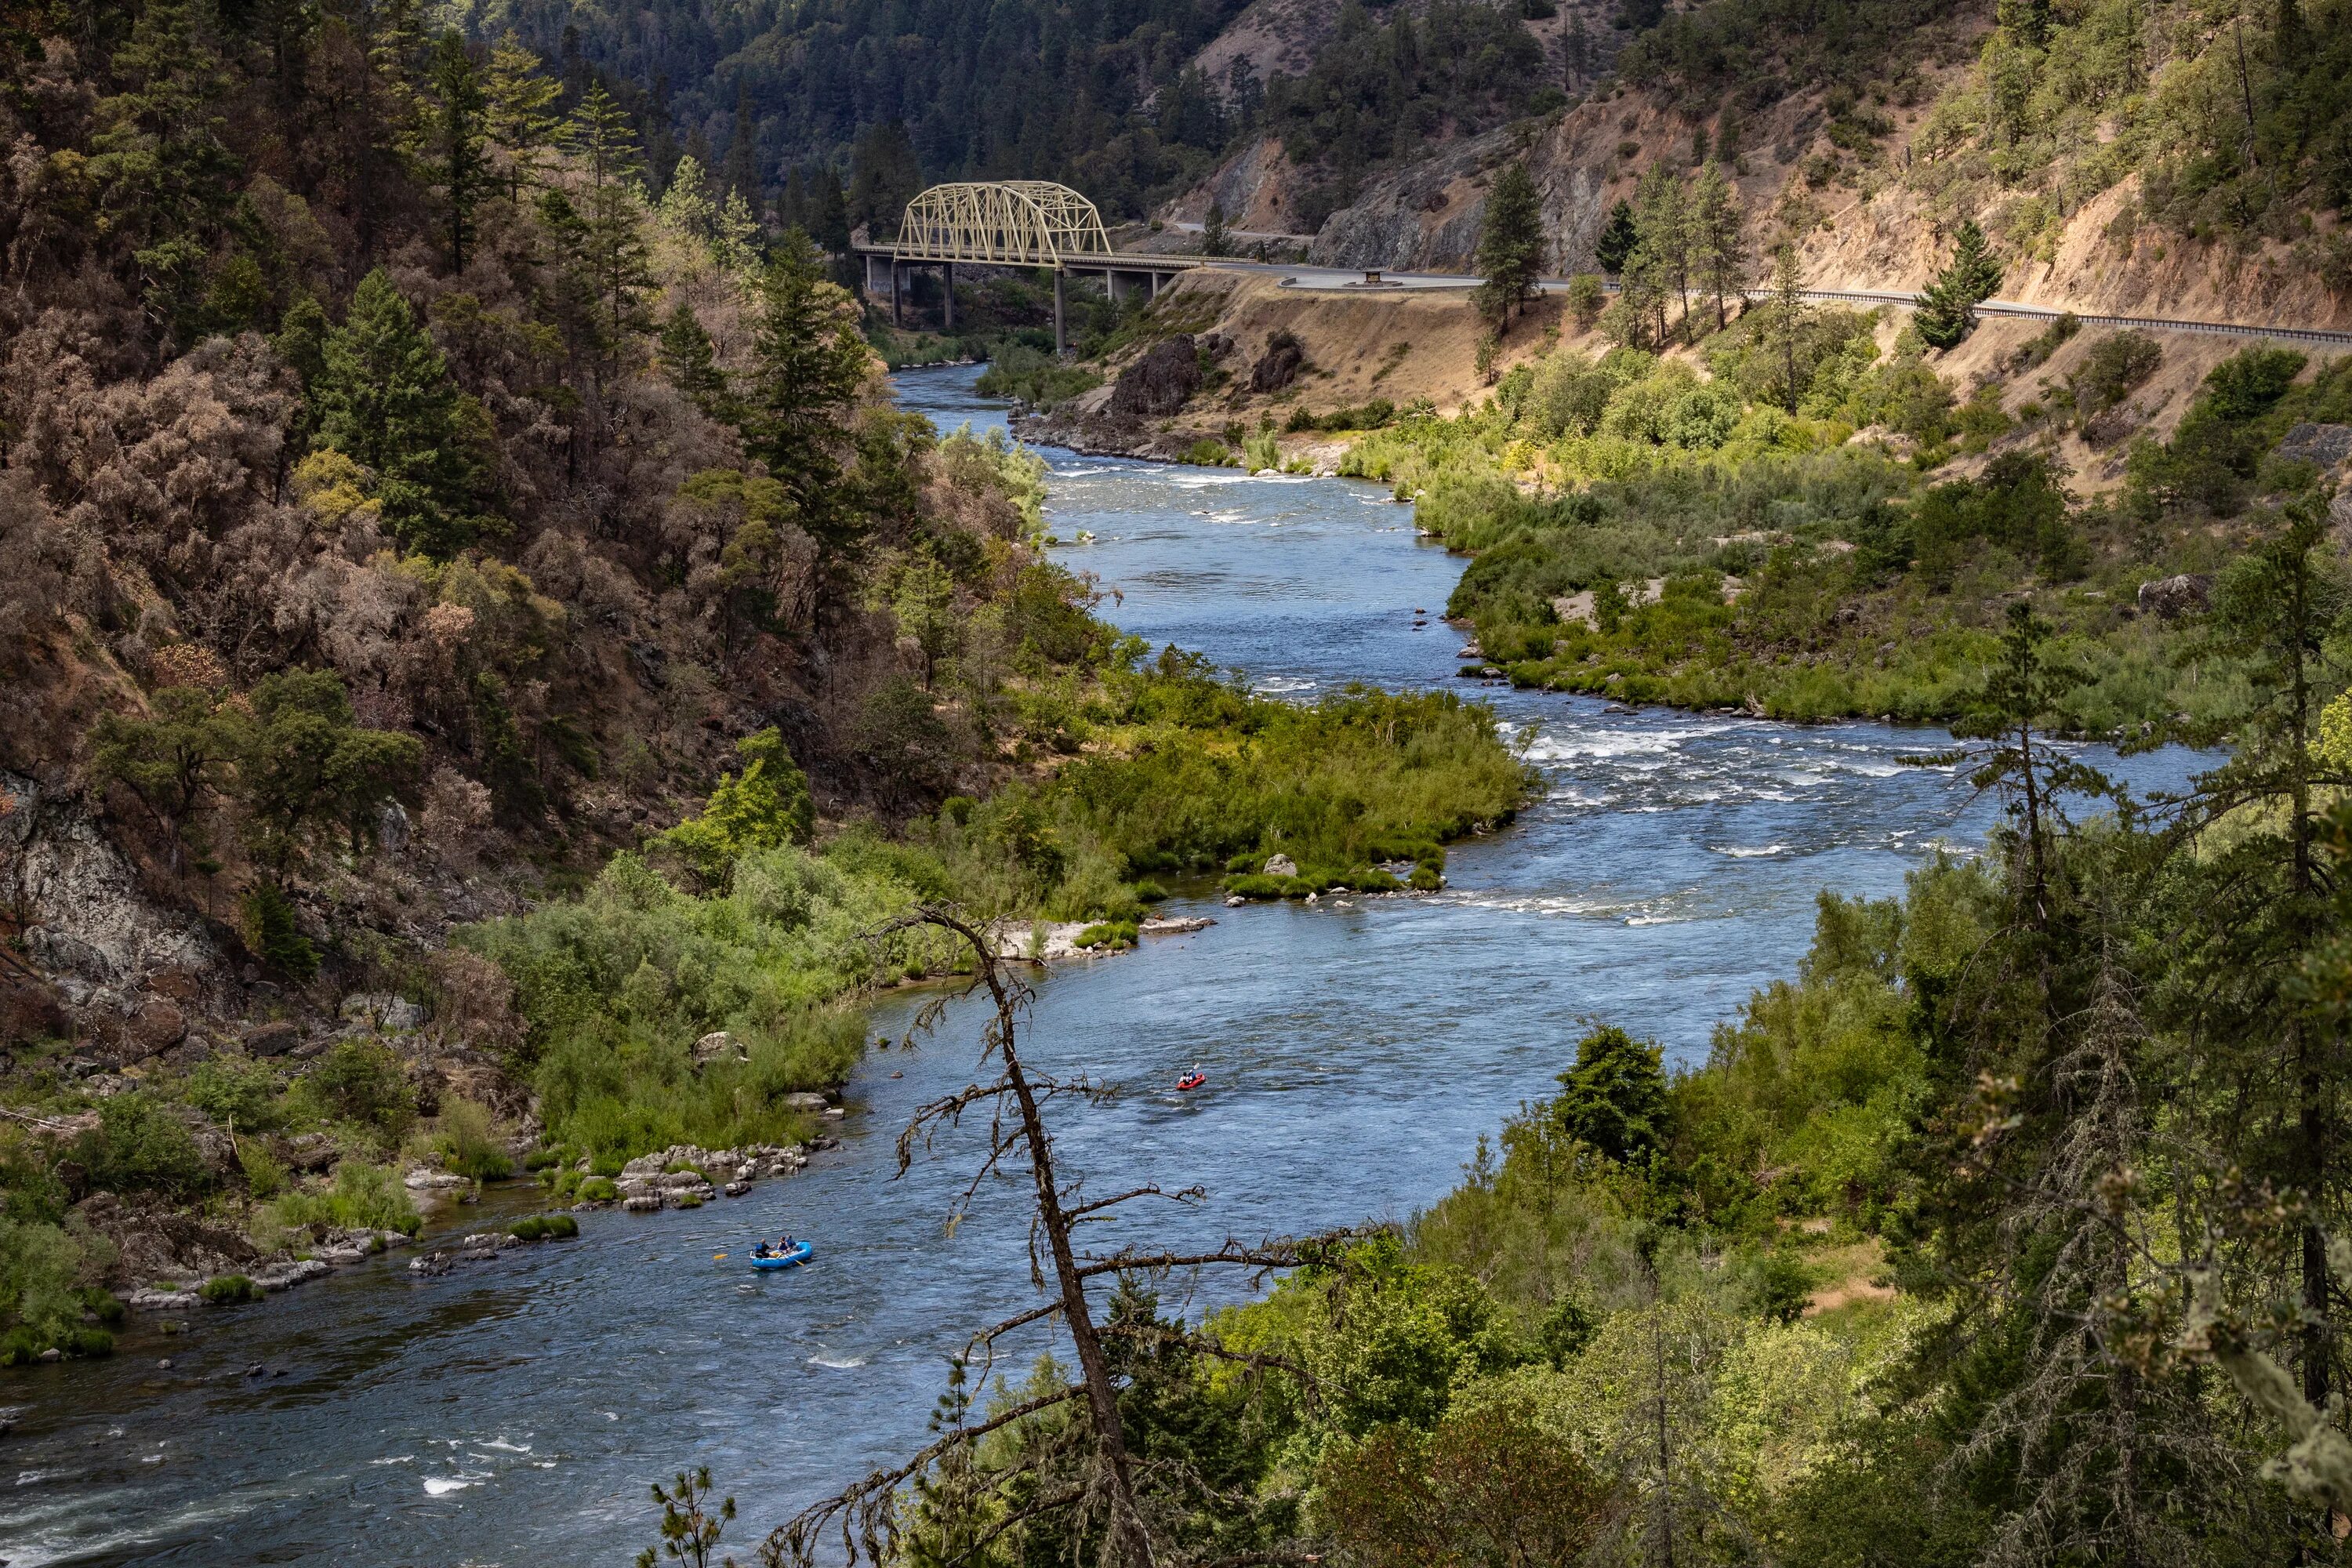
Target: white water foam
1748, 851
836, 1363
442, 1486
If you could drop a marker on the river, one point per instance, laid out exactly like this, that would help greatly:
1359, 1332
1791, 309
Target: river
514, 1412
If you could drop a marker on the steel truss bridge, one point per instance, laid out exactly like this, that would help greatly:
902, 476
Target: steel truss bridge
1014, 223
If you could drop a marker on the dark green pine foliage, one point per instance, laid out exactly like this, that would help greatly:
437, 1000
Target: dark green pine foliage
691, 362
462, 142
810, 365
1616, 245
159, 162
1947, 311
384, 399
1511, 243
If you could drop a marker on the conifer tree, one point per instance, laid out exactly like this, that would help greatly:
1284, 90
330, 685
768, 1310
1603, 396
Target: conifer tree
462, 141
739, 172
1788, 318
810, 366
385, 400
1511, 243
692, 364
1718, 224
1661, 219
1947, 311
612, 240
518, 113
1617, 241
1212, 229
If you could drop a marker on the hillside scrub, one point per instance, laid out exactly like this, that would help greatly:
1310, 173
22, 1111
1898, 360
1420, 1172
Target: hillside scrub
1689, 539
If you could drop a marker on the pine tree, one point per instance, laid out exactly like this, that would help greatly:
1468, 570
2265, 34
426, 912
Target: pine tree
385, 400
1511, 243
811, 365
1616, 245
611, 237
1947, 311
462, 137
160, 166
1662, 216
1718, 224
1788, 318
692, 364
518, 111
1212, 229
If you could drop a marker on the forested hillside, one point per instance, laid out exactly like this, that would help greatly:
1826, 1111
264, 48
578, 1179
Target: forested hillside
475, 634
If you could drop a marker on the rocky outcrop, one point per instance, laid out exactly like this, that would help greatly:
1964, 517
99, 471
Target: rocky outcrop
1160, 384
2322, 445
1425, 215
685, 1176
116, 968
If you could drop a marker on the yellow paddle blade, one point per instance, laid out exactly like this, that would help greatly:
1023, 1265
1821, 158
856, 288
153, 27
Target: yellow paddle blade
717, 1257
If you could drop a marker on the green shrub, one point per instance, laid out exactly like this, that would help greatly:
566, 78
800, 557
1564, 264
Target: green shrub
1111, 936
265, 1177
1208, 452
1149, 892
241, 1096
141, 1144
227, 1289
598, 1190
544, 1227
361, 1081
362, 1196
544, 1157
465, 1140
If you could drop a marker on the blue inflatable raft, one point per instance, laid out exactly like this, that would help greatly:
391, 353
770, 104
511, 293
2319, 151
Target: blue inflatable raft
792, 1257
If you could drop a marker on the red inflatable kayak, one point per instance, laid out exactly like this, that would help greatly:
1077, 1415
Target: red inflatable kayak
1191, 1080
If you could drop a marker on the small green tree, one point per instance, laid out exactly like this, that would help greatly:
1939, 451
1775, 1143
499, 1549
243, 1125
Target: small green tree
1614, 1098
302, 762
691, 362
764, 807
272, 935
168, 759
385, 400
1947, 311
1788, 315
1511, 243
519, 110
1214, 239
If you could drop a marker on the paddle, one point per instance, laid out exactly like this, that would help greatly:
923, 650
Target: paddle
717, 1257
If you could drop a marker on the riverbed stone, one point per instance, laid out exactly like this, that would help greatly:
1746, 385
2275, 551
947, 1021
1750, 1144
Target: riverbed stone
1281, 866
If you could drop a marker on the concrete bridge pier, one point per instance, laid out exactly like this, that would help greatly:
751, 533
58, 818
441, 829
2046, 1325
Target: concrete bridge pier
947, 270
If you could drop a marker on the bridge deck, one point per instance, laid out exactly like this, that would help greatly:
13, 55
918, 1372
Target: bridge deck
1077, 261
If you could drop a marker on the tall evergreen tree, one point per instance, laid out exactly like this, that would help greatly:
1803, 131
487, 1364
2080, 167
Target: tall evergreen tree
385, 400
518, 111
739, 171
1719, 227
462, 138
1511, 243
811, 364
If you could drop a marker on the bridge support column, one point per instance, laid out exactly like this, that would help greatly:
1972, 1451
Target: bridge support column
1155, 284
898, 315
869, 273
1061, 341
948, 267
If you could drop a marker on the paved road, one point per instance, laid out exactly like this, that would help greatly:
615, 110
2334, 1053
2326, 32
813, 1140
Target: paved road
1351, 280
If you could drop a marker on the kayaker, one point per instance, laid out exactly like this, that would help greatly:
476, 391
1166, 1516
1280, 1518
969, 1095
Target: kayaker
761, 1250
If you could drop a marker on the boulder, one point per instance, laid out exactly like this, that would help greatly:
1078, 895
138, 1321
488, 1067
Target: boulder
719, 1045
273, 1039
1281, 866
1279, 365
1160, 384
2172, 598
155, 1027
423, 1179
814, 1104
